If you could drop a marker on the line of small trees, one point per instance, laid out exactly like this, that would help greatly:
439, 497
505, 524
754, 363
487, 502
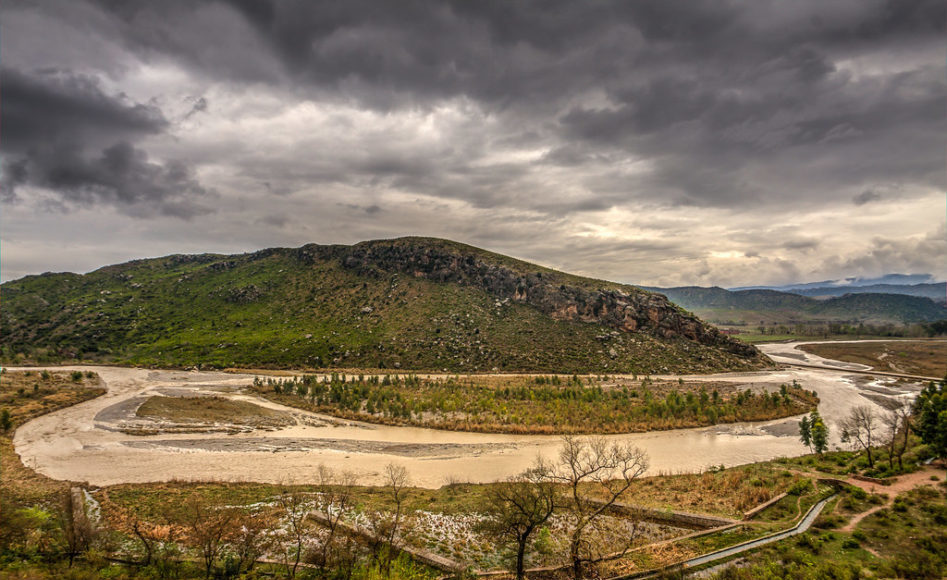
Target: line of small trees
409, 399
865, 429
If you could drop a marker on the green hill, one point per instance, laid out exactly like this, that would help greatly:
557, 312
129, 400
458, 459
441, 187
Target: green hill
409, 303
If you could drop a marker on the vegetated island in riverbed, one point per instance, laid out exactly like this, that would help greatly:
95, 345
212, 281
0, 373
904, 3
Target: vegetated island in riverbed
534, 404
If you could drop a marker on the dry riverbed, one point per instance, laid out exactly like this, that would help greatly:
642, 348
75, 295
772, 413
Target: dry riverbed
87, 441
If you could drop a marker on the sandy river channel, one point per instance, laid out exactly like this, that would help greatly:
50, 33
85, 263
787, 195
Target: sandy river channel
88, 442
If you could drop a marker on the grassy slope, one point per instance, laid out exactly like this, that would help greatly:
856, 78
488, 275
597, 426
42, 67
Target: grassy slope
260, 310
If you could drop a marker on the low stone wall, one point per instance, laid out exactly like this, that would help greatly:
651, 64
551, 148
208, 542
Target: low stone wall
749, 515
833, 481
885, 481
671, 517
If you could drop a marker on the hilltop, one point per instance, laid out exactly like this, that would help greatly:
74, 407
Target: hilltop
409, 303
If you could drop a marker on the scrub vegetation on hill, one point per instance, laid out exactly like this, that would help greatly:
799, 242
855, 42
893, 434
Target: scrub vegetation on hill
410, 303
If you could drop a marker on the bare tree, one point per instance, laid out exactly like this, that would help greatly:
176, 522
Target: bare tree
248, 538
518, 506
396, 481
295, 511
152, 536
208, 527
897, 420
77, 529
335, 499
386, 526
860, 429
596, 473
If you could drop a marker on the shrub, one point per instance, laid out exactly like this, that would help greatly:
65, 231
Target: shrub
877, 499
801, 487
808, 541
828, 522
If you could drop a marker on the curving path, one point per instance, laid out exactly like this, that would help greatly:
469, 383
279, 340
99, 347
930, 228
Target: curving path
799, 528
86, 442
901, 484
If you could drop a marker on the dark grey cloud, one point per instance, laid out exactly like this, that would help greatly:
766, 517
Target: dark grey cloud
56, 107
369, 210
804, 244
63, 133
867, 196
616, 129
727, 99
124, 177
274, 220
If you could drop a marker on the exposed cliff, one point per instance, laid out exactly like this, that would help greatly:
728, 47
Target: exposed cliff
561, 296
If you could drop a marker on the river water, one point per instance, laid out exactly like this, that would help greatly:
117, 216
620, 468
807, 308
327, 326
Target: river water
84, 443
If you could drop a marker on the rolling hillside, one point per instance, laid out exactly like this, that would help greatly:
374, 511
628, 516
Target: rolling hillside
935, 291
749, 306
409, 303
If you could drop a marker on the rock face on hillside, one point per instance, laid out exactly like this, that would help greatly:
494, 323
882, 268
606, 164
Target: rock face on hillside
563, 297
409, 303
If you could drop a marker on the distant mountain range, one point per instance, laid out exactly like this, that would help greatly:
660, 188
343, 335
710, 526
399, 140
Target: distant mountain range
751, 306
907, 284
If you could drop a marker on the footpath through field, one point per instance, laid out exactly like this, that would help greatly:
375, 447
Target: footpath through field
901, 484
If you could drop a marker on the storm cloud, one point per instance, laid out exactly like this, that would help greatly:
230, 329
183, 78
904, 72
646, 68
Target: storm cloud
62, 133
601, 137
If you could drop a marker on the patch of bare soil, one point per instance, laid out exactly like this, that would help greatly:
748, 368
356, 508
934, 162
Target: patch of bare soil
203, 414
916, 357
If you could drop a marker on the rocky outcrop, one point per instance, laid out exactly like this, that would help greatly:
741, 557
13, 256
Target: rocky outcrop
564, 297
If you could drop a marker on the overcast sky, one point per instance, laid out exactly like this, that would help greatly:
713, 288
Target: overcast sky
658, 143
